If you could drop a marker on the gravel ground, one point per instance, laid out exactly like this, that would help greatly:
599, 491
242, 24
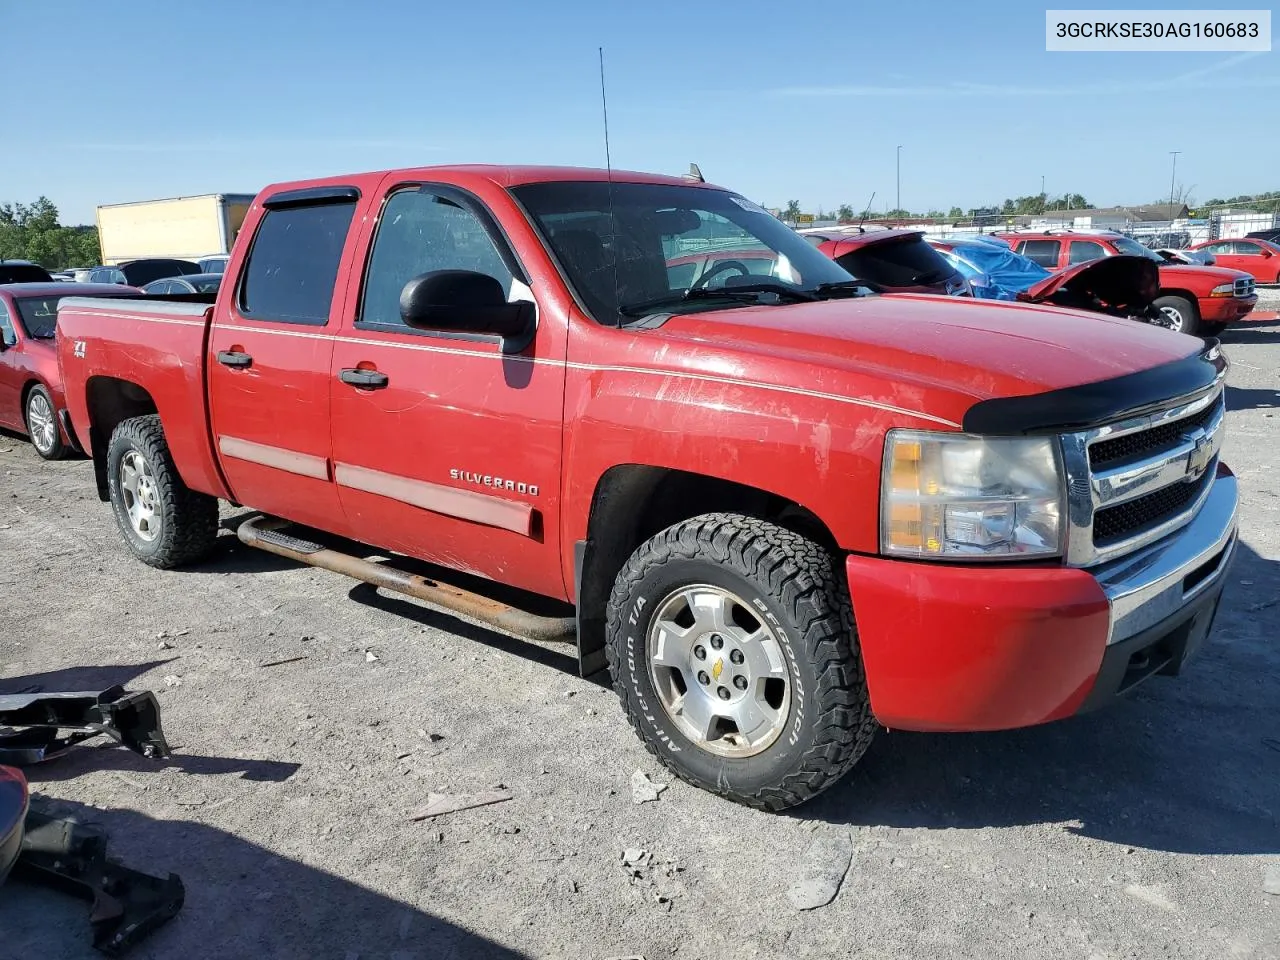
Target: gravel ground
1142, 831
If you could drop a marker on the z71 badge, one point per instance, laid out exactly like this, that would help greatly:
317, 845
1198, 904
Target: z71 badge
79, 348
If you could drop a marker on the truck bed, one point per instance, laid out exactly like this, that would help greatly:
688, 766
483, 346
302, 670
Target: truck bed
152, 341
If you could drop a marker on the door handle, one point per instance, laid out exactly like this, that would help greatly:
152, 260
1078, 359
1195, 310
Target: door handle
371, 379
234, 358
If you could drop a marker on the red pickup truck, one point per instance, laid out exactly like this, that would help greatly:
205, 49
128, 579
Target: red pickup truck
785, 512
1194, 299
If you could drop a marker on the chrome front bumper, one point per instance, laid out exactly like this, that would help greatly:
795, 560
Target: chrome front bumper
1154, 583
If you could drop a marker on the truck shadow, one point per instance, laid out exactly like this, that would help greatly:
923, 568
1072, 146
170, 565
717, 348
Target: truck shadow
242, 901
1265, 331
1239, 398
1189, 764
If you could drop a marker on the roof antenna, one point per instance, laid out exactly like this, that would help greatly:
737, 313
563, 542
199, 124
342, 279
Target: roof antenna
695, 174
608, 167
865, 211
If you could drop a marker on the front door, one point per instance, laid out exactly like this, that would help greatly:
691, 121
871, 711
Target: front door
269, 363
444, 447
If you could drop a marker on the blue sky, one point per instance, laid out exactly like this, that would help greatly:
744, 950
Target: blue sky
806, 101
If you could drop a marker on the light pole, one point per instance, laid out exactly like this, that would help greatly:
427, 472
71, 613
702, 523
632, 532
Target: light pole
898, 203
1173, 177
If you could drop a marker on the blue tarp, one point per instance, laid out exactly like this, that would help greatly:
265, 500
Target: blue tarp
994, 271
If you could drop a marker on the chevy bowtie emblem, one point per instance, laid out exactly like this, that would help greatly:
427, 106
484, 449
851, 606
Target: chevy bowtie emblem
718, 668
1200, 455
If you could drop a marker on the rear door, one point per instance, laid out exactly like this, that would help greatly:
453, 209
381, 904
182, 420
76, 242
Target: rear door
1223, 253
1044, 252
450, 448
270, 348
1254, 258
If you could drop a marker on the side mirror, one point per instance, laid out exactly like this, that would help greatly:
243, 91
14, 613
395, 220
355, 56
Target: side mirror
464, 301
1267, 253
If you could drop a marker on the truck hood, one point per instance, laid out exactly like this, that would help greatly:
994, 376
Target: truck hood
1195, 276
1132, 281
933, 355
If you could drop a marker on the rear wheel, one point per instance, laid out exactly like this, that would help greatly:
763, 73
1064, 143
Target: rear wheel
42, 424
1179, 314
733, 649
165, 523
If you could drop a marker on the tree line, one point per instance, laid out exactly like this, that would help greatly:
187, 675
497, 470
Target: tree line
32, 232
1012, 206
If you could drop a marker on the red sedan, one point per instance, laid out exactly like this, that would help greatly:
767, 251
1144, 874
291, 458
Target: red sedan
30, 386
1261, 258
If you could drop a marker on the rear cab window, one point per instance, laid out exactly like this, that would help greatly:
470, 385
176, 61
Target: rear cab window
293, 264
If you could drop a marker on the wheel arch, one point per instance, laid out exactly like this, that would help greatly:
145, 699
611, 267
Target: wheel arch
1186, 295
631, 503
110, 401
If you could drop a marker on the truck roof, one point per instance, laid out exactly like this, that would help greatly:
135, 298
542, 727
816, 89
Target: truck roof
501, 175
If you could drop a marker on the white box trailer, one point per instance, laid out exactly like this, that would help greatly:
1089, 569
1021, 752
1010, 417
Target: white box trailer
183, 227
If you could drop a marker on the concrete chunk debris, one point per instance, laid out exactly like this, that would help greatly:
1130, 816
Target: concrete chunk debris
439, 804
825, 864
173, 680
635, 856
644, 790
370, 657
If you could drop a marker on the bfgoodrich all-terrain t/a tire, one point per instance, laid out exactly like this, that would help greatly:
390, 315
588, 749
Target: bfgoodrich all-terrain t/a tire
732, 647
165, 523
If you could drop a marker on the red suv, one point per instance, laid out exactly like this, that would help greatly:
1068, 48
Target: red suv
1196, 299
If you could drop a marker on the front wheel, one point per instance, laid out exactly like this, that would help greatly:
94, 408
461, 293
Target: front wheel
42, 424
164, 522
1179, 314
732, 647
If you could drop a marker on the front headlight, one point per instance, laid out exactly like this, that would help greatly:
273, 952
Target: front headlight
961, 497
1223, 290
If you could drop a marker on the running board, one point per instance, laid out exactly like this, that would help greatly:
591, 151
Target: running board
265, 533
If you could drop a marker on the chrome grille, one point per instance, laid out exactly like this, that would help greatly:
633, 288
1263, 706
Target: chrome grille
1132, 482
1245, 287
1113, 524
1108, 453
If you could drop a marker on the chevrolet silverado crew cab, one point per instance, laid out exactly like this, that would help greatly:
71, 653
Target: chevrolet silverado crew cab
785, 512
1194, 299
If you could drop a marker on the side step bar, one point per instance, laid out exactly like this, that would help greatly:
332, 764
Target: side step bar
265, 533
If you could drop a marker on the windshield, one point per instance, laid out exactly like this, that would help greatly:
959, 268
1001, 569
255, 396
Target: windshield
39, 316
1134, 248
670, 243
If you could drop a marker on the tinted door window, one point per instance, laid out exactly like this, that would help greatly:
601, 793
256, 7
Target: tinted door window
1243, 249
1043, 252
293, 264
1220, 248
1084, 250
418, 233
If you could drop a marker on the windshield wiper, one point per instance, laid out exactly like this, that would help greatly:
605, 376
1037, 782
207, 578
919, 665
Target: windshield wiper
844, 288
748, 292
